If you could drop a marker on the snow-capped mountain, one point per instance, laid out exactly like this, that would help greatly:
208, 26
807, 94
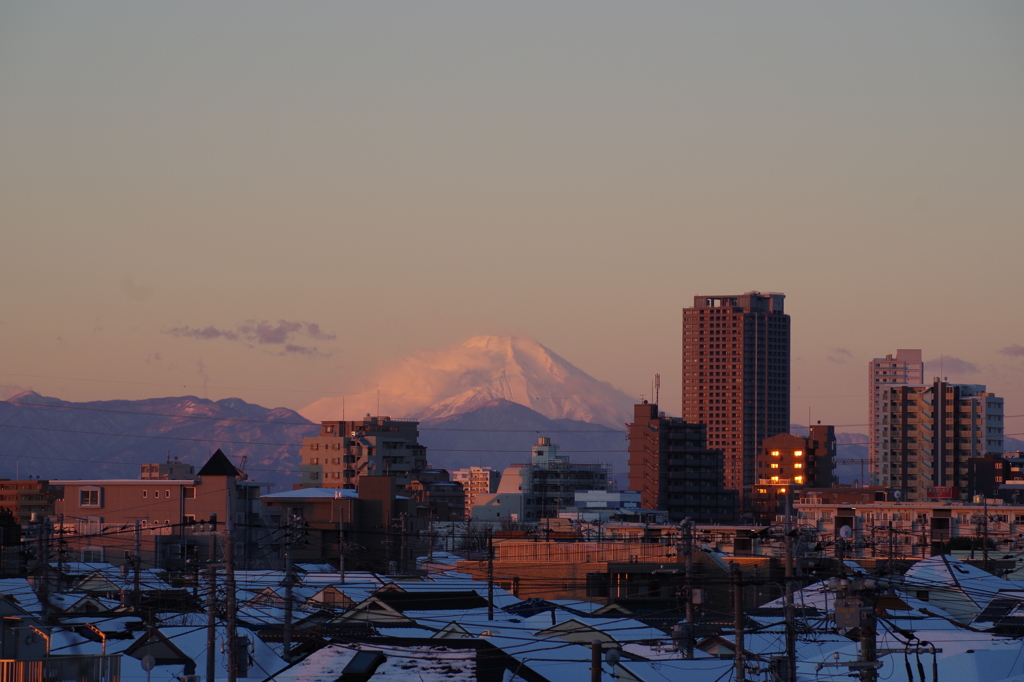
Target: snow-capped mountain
436, 385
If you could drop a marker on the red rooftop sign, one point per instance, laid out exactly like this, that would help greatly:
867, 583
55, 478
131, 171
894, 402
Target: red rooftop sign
943, 492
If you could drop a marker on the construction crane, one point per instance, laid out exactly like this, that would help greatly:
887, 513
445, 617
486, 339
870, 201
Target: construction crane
853, 460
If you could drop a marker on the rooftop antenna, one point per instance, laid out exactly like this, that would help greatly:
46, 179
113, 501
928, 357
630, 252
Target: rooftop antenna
657, 387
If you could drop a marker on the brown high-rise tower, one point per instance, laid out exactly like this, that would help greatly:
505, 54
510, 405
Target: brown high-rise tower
736, 375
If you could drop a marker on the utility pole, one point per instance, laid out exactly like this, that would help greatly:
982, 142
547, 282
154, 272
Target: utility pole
137, 565
789, 609
43, 560
229, 585
737, 600
490, 575
211, 612
289, 582
688, 553
984, 538
595, 660
868, 635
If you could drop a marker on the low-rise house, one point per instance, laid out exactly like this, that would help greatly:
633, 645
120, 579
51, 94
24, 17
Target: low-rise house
169, 520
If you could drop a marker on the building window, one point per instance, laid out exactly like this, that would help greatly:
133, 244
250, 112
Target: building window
167, 494
156, 494
89, 497
145, 494
190, 493
92, 555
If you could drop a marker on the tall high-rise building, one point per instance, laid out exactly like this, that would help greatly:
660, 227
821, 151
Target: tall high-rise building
905, 368
930, 431
736, 375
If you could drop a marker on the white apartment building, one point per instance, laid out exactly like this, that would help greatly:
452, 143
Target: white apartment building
928, 432
905, 368
476, 481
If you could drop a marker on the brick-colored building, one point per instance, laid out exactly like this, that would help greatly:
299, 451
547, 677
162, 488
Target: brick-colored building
97, 518
27, 498
674, 471
788, 462
736, 375
346, 451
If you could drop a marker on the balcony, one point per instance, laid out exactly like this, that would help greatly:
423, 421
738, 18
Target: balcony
62, 669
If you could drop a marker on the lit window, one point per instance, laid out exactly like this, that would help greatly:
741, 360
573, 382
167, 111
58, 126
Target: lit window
798, 479
775, 453
775, 479
774, 465
798, 465
762, 490
798, 453
782, 490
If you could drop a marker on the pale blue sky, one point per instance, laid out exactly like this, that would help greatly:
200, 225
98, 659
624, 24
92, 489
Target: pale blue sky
407, 175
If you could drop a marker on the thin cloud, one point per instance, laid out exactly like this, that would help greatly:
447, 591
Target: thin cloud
310, 351
1014, 351
137, 292
948, 364
202, 333
252, 333
840, 356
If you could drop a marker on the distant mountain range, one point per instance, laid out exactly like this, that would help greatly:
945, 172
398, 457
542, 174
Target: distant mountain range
481, 403
54, 439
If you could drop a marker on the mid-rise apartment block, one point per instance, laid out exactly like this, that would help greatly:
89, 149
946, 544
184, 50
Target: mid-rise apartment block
540, 489
788, 463
903, 368
346, 451
929, 432
672, 468
476, 481
736, 369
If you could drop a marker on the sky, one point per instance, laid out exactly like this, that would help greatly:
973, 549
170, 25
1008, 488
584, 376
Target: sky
272, 201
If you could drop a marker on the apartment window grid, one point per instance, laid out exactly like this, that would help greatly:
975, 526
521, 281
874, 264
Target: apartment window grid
736, 379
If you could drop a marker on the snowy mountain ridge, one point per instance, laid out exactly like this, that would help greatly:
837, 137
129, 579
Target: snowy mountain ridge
440, 384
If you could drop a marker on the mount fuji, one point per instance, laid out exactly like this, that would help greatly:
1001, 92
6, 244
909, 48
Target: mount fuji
432, 386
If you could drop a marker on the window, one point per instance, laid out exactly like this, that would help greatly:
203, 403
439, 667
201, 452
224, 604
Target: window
167, 494
92, 555
190, 493
156, 494
89, 497
798, 465
145, 494
774, 465
798, 453
190, 518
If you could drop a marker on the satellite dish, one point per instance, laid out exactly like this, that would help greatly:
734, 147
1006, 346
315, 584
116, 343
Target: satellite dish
846, 532
897, 495
148, 662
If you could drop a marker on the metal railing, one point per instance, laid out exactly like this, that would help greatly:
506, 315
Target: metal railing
62, 669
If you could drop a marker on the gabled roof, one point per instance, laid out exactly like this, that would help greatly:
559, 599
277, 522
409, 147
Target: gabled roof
218, 465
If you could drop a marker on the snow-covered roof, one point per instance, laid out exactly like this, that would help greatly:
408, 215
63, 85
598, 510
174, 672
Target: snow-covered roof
401, 664
313, 494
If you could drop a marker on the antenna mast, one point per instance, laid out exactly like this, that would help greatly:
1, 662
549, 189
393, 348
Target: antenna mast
657, 387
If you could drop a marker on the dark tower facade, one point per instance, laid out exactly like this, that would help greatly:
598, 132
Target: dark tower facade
736, 375
674, 471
